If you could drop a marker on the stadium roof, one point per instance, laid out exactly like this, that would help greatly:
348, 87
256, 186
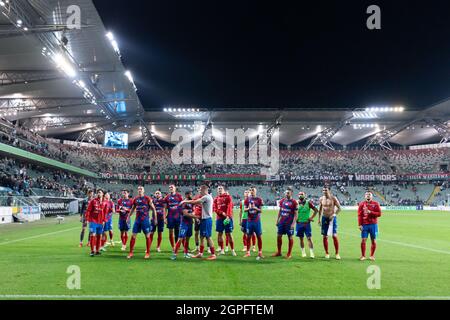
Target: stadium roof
61, 82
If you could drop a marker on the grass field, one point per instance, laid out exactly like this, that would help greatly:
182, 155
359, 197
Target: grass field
413, 257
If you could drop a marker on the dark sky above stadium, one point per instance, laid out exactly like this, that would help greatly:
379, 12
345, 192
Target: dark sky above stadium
261, 54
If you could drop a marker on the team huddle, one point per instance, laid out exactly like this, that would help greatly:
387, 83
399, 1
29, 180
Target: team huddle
192, 215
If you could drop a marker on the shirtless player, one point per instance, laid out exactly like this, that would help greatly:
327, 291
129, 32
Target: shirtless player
330, 208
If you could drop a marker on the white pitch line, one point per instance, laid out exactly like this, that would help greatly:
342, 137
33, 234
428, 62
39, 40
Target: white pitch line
38, 236
404, 244
148, 297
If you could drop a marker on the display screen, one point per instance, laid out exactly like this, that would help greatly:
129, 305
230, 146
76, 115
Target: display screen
117, 140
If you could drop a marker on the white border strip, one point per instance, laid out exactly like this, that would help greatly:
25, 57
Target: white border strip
155, 297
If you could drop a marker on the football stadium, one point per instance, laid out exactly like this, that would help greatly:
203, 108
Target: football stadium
107, 194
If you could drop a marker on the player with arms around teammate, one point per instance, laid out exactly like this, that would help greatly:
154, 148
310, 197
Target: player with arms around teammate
287, 216
368, 213
223, 207
173, 215
253, 206
110, 210
329, 208
304, 223
95, 215
124, 206
187, 219
142, 204
83, 220
160, 206
206, 201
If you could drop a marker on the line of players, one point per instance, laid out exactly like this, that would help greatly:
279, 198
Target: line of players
195, 213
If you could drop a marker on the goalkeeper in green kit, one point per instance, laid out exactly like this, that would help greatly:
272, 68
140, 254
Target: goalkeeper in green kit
304, 223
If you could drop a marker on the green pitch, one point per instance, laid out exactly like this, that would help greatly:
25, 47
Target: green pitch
413, 258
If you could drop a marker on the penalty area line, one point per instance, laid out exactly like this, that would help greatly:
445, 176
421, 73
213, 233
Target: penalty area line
146, 297
38, 236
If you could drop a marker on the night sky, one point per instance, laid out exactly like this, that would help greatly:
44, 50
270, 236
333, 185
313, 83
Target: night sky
260, 54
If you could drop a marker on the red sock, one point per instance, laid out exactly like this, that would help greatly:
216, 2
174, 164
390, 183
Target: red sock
186, 246
260, 243
177, 246
159, 239
125, 236
363, 249
325, 244
373, 248
254, 239
279, 244
148, 243
244, 240
220, 242
172, 241
291, 245
111, 235
249, 242
227, 241
336, 244
213, 251
92, 243
231, 242
202, 249
151, 239
98, 240
132, 243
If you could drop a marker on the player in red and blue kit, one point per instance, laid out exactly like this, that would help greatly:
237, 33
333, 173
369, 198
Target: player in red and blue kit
253, 206
368, 213
223, 207
124, 206
95, 215
160, 205
187, 219
287, 218
108, 228
173, 214
142, 204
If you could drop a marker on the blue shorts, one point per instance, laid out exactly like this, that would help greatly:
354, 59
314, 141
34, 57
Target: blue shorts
185, 230
124, 225
285, 229
159, 226
95, 228
304, 229
326, 224
221, 227
206, 228
173, 223
254, 227
108, 226
244, 226
142, 226
369, 229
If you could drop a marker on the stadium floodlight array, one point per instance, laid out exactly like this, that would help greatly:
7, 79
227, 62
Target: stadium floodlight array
360, 126
385, 109
114, 43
